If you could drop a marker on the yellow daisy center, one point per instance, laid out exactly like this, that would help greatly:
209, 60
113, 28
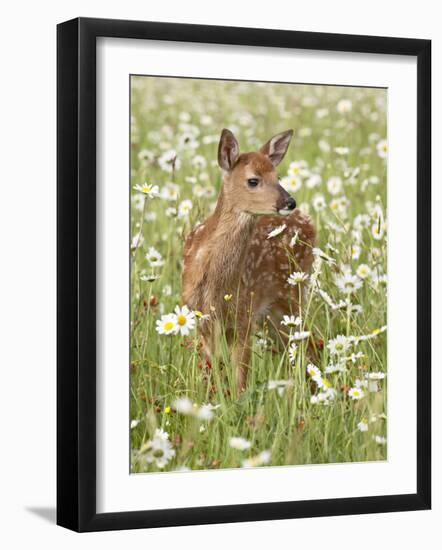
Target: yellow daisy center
168, 325
181, 320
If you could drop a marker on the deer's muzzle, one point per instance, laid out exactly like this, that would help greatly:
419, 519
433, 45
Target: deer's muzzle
286, 203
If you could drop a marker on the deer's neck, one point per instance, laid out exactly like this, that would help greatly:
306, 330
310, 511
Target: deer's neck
230, 234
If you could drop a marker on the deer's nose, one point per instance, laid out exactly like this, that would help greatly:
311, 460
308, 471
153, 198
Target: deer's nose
291, 203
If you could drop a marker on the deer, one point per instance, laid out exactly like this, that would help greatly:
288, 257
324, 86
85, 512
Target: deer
232, 271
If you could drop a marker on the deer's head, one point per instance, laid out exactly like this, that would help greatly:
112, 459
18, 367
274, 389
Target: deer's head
251, 183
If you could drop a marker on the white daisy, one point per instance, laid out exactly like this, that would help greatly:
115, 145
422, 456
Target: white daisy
374, 334
313, 181
355, 356
342, 150
355, 252
326, 297
184, 116
167, 290
313, 371
146, 156
199, 161
137, 240
294, 239
279, 385
199, 191
377, 230
239, 443
185, 320
361, 221
206, 120
183, 405
348, 283
373, 386
292, 352
338, 345
263, 343
158, 449
324, 146
171, 212
318, 253
318, 202
322, 113
362, 426
167, 324
150, 216
154, 257
361, 383
205, 412
298, 168
277, 231
291, 183
259, 460
184, 208
301, 335
170, 191
291, 321
305, 132
382, 148
380, 440
334, 185
297, 278
355, 393
169, 161
148, 189
337, 367
328, 392
344, 106
148, 277
363, 271
375, 375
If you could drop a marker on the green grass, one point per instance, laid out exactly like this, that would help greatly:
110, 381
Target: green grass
165, 367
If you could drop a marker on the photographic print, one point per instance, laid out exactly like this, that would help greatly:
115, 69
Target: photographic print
258, 262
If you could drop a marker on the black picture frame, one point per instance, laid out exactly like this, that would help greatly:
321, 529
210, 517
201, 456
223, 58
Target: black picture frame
76, 273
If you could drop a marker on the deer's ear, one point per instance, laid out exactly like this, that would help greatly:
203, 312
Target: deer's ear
277, 146
228, 150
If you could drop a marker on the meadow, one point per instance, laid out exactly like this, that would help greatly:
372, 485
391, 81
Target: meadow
300, 407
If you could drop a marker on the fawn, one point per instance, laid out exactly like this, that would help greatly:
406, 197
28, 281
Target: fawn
230, 253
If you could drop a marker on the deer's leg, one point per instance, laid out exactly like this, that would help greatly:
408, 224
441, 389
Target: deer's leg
209, 338
241, 351
241, 360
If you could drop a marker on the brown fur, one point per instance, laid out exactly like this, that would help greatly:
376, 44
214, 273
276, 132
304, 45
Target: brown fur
230, 254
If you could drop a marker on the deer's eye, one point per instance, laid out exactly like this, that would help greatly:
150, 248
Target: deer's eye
252, 182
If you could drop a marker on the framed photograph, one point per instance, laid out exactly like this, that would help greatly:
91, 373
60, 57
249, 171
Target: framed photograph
243, 274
